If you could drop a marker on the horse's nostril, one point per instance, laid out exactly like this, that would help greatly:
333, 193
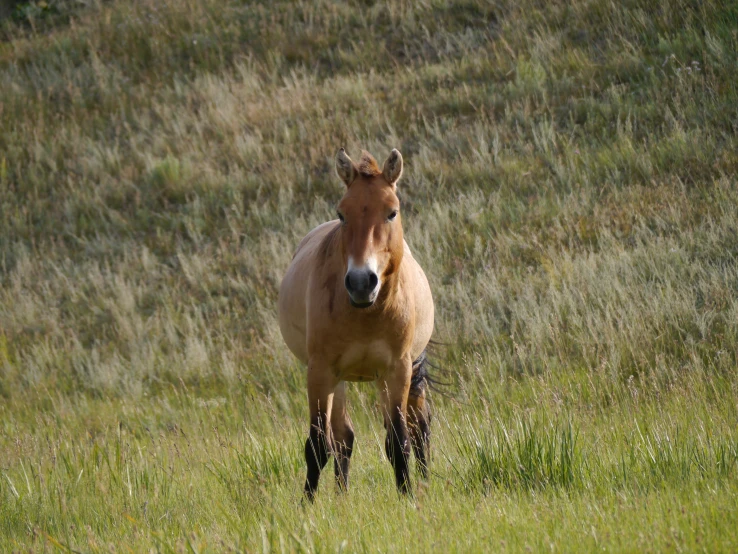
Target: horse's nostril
361, 282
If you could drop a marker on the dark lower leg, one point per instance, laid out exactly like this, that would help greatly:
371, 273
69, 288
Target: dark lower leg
317, 450
397, 447
342, 457
419, 426
420, 438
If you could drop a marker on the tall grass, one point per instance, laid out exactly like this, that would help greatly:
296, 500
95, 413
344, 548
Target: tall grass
525, 456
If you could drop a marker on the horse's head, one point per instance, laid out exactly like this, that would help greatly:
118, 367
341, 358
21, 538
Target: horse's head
371, 227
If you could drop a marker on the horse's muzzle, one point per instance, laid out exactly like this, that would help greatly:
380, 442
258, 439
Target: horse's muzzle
362, 286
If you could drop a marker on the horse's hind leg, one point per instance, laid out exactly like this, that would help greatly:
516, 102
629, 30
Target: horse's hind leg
343, 437
318, 444
394, 392
419, 418
419, 414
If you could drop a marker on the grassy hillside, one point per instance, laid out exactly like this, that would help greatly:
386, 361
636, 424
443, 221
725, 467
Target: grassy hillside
569, 188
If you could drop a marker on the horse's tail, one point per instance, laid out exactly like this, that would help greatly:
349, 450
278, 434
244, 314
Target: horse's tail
425, 376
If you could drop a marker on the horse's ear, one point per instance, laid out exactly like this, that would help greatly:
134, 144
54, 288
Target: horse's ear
345, 167
393, 167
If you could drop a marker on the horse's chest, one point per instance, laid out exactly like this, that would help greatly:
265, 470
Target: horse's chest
364, 361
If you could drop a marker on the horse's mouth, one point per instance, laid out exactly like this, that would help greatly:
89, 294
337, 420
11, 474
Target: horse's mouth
360, 305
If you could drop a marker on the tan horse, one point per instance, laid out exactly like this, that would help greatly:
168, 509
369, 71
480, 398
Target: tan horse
355, 306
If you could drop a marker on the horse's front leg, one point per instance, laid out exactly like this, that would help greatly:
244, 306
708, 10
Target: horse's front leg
394, 392
318, 447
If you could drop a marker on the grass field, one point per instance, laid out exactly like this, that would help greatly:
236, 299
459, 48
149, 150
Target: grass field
569, 188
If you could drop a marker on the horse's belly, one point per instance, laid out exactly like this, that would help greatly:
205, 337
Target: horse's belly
293, 292
364, 361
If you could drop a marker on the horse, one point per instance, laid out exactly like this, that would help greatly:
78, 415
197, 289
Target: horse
354, 305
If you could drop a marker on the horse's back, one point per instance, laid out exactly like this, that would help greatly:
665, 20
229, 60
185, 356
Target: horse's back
294, 288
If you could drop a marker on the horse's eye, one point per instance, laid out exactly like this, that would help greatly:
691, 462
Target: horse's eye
392, 216
340, 216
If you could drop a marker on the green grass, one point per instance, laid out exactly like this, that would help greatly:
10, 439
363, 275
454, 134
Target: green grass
569, 189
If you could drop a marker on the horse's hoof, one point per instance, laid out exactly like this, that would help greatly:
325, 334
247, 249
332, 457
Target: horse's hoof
308, 497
